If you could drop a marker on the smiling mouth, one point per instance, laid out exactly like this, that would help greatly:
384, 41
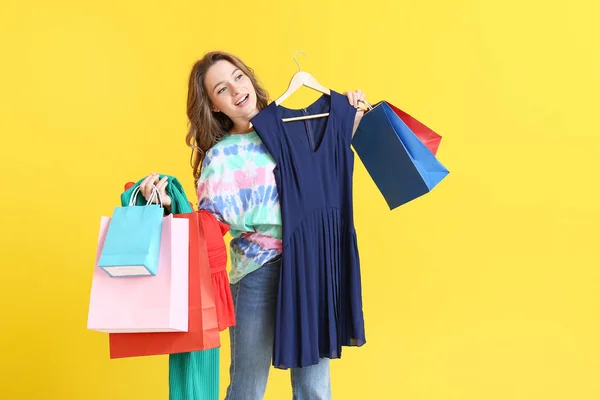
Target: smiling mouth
243, 101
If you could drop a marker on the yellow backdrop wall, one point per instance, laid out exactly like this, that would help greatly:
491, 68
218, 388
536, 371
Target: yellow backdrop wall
487, 288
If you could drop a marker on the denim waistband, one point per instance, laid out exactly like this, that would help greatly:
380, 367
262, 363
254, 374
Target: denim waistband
274, 260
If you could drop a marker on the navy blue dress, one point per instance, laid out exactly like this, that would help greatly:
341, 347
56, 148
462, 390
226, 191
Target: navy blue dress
319, 305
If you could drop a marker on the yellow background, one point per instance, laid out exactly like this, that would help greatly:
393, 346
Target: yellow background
487, 288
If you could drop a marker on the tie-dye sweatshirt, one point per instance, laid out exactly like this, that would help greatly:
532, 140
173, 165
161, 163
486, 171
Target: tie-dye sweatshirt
237, 185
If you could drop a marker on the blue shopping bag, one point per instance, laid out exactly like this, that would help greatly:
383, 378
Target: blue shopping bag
132, 243
400, 164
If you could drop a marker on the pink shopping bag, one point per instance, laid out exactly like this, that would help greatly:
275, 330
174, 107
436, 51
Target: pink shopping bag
203, 332
144, 303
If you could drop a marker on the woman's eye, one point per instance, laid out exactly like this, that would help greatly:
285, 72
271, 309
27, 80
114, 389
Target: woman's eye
221, 90
238, 77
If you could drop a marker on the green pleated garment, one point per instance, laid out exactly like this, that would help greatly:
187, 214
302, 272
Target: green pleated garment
195, 375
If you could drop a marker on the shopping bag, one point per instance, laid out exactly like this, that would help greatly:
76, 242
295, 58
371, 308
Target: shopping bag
400, 164
145, 303
203, 332
132, 241
425, 134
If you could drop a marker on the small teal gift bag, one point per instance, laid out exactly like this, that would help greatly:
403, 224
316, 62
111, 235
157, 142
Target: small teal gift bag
132, 243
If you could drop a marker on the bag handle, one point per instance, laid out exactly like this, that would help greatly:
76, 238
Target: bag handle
154, 196
367, 103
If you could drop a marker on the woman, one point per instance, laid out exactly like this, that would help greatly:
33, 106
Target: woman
234, 177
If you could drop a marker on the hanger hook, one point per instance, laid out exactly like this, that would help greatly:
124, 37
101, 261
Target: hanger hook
296, 61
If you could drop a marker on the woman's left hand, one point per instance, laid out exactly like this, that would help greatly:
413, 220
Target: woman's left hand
356, 99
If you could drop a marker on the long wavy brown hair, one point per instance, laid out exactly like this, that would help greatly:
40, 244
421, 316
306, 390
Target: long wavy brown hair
207, 127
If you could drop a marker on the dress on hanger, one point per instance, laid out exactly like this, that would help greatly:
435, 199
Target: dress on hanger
319, 306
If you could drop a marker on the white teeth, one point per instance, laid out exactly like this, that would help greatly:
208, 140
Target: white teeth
242, 100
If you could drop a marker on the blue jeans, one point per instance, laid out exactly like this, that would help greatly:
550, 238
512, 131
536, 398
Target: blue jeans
255, 302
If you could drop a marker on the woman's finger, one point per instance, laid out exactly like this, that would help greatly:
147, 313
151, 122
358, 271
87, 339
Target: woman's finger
150, 182
163, 192
361, 95
160, 186
161, 183
144, 185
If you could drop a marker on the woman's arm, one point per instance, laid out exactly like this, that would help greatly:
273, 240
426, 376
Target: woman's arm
359, 114
206, 196
356, 99
209, 190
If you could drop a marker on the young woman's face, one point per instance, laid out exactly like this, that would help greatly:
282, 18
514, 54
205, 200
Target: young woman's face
230, 91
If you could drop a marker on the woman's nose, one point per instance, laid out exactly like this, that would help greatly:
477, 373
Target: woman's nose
236, 89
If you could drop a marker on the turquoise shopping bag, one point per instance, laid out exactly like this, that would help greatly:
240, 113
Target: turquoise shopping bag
132, 243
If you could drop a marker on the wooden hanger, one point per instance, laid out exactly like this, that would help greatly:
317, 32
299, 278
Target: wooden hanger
302, 78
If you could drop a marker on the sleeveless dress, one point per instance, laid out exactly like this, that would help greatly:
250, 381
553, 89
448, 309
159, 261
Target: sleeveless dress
319, 306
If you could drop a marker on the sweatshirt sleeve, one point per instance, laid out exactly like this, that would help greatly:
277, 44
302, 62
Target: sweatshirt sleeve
207, 183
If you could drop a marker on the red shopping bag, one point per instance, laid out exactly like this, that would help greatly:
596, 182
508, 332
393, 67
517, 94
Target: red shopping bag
203, 330
425, 134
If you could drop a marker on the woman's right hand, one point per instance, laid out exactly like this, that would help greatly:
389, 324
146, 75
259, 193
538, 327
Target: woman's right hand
146, 188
